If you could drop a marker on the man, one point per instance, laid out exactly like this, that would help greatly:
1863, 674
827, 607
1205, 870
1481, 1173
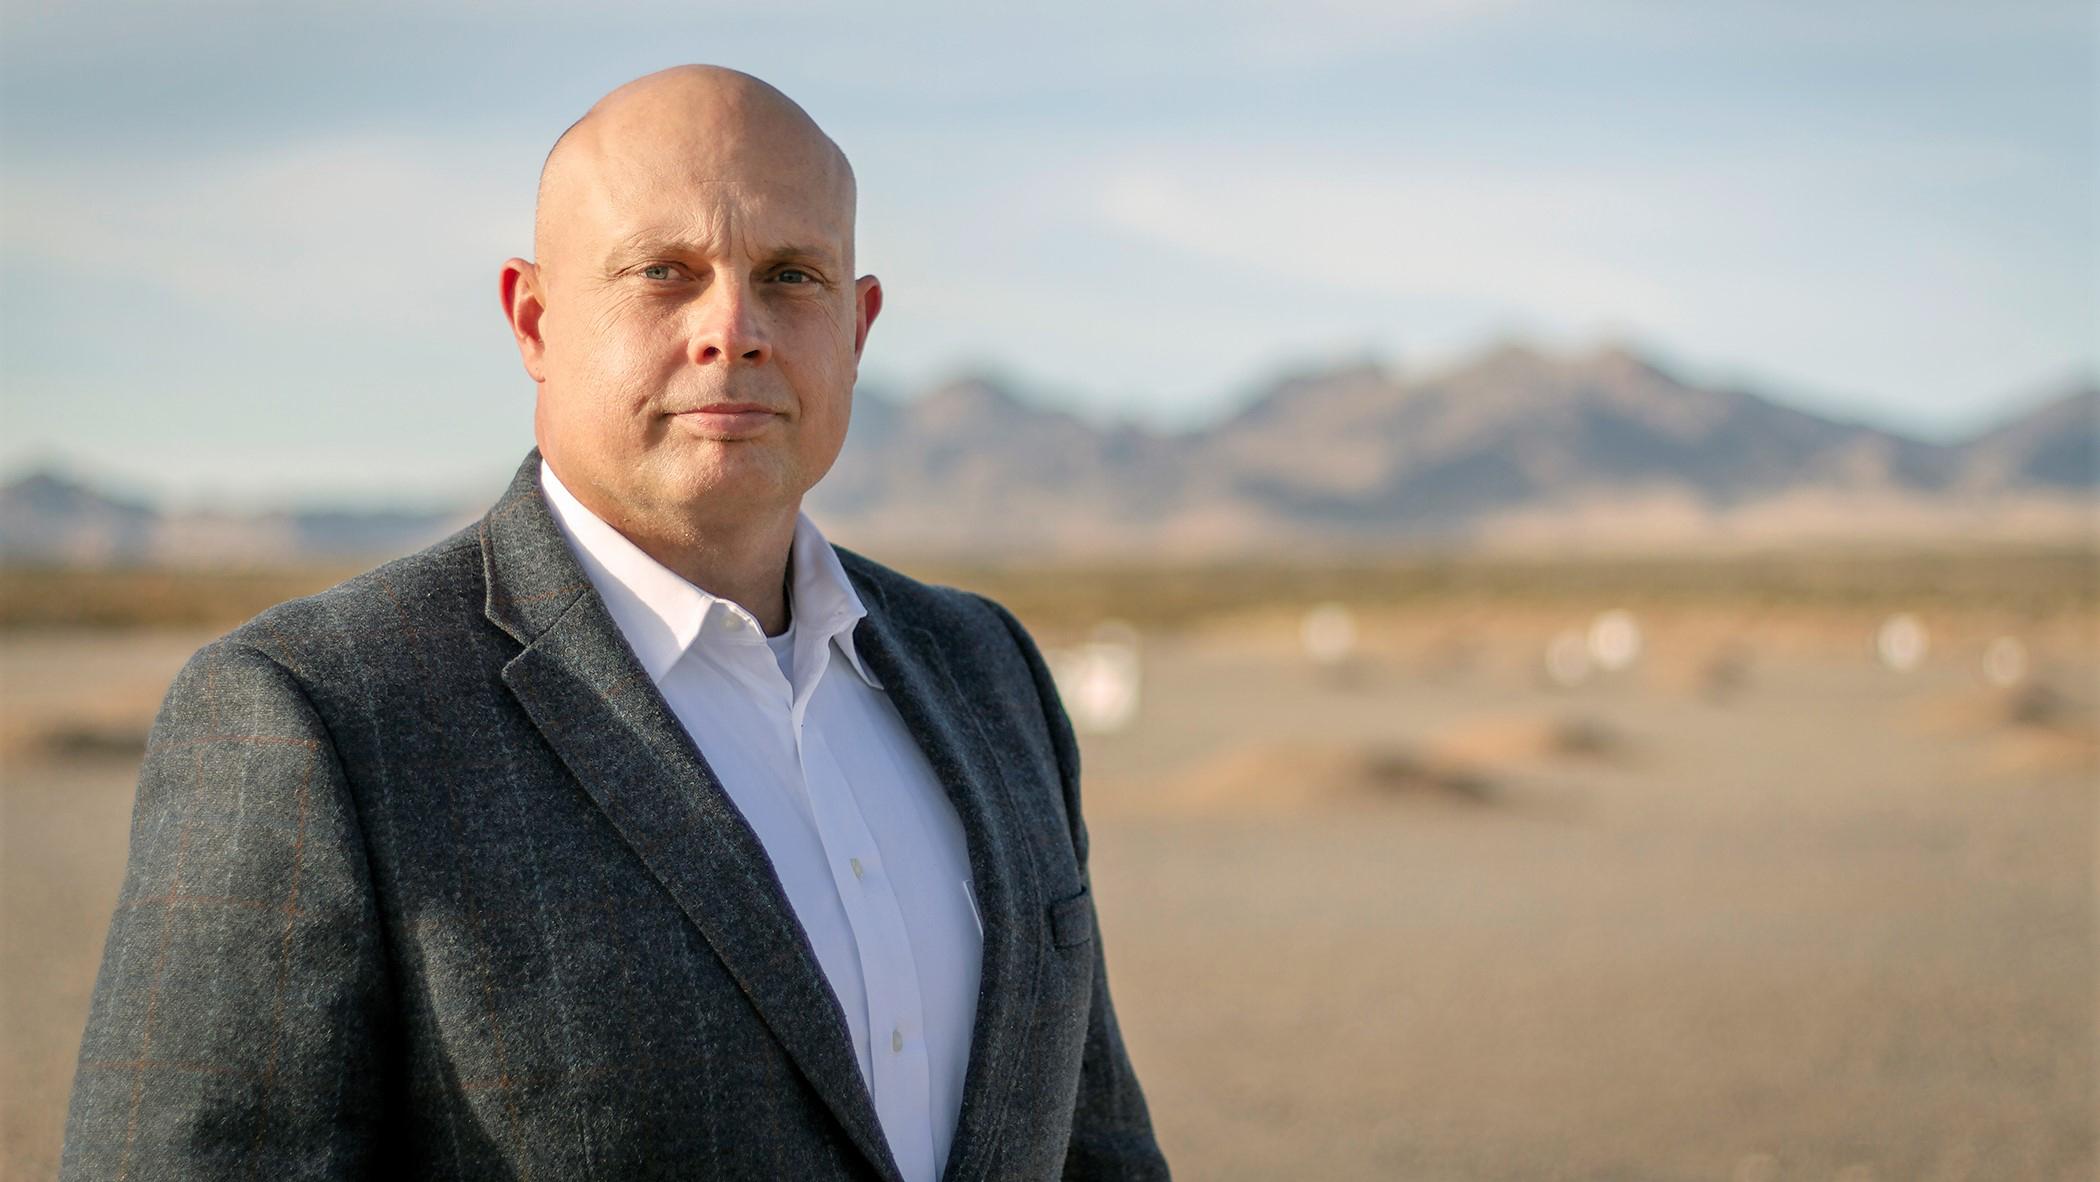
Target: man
633, 832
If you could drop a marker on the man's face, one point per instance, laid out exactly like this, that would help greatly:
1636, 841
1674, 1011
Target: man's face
700, 333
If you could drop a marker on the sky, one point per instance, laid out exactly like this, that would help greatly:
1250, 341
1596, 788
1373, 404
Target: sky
248, 249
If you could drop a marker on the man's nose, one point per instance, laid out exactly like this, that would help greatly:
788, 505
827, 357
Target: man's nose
730, 326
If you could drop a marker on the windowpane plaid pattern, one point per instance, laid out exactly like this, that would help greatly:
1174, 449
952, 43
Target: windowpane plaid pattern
426, 882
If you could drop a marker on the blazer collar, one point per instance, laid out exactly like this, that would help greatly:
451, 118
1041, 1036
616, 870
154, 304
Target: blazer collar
533, 576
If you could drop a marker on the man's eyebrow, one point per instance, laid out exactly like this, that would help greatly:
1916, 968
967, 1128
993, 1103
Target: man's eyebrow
639, 249
636, 249
820, 259
818, 255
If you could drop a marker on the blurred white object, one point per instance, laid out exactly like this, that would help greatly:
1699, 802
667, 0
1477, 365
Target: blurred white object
1329, 633
1116, 632
2005, 662
1568, 658
1901, 643
1099, 680
1615, 640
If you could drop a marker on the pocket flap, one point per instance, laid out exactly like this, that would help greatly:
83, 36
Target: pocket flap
1072, 920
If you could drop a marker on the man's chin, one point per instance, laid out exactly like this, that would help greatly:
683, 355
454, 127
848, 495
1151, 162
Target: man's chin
725, 476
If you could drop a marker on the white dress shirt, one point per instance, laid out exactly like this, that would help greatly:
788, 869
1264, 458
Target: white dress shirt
864, 840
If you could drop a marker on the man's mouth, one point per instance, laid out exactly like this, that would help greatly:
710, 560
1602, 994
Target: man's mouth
728, 419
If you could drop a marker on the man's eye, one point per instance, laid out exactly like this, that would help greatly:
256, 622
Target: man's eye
656, 271
792, 276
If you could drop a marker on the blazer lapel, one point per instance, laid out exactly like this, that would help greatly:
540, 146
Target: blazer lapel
580, 683
905, 658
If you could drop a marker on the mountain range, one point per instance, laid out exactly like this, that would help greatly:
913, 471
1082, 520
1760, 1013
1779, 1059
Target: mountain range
1515, 449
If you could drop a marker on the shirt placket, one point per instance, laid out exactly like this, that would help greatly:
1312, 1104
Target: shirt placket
902, 1080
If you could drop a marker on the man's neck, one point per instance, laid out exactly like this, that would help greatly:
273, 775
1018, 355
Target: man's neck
743, 559
747, 565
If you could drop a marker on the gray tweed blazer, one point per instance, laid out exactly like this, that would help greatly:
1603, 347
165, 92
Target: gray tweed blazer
427, 881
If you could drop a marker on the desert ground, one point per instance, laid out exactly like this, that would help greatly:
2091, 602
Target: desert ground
1753, 906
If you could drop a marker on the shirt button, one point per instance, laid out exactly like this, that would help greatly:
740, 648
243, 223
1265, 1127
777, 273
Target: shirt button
731, 623
896, 1040
856, 867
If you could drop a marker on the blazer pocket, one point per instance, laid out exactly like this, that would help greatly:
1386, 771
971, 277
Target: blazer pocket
1072, 920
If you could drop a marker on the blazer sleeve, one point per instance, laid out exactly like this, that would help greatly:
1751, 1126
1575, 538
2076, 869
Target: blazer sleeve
1112, 1137
234, 1025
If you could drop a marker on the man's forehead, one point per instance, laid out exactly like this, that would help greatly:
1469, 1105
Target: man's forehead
692, 208
713, 232
690, 140
674, 172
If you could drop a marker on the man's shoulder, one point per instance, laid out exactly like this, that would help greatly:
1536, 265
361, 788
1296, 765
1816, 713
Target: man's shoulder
933, 607
425, 599
980, 641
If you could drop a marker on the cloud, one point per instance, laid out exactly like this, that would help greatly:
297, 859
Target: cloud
1541, 245
1146, 204
1860, 270
358, 233
923, 48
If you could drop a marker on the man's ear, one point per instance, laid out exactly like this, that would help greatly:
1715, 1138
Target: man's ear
867, 301
523, 305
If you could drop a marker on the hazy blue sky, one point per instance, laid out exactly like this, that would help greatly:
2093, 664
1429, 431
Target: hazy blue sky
249, 247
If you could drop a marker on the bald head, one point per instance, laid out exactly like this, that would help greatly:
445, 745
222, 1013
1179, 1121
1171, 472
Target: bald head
692, 319
710, 124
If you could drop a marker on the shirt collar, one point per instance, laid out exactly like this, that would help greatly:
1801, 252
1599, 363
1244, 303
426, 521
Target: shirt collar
662, 615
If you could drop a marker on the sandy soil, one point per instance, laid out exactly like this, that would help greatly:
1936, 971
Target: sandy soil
1757, 910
